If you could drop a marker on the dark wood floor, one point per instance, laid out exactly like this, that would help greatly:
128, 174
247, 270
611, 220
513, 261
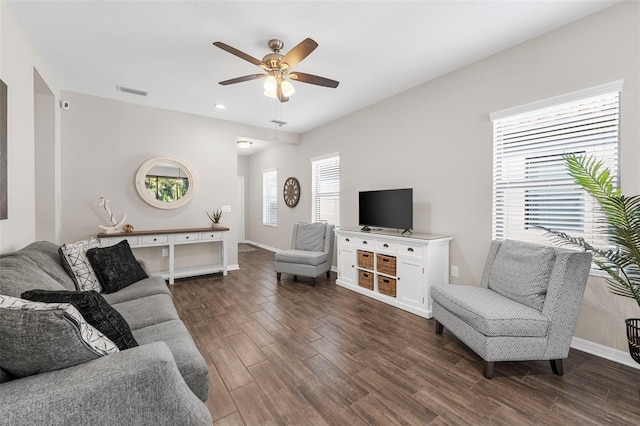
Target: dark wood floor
290, 353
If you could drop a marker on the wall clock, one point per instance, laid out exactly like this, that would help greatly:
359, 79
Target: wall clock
291, 192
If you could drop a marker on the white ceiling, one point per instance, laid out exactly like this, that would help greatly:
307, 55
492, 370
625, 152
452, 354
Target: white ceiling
376, 49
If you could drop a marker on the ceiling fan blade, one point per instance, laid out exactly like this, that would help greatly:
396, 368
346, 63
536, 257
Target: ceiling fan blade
239, 54
313, 79
299, 52
241, 79
281, 96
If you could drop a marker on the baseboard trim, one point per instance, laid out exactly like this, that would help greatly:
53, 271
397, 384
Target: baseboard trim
615, 355
264, 246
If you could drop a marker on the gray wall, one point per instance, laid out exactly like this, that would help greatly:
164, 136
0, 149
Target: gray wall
437, 138
104, 143
18, 62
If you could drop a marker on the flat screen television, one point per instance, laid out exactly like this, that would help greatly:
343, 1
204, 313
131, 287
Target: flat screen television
391, 208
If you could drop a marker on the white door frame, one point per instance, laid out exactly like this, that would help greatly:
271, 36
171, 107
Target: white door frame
241, 218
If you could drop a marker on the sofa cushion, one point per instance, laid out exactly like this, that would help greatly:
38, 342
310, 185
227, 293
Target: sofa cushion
147, 311
521, 272
116, 267
95, 310
19, 274
310, 236
302, 257
192, 366
147, 287
46, 255
74, 259
37, 337
489, 312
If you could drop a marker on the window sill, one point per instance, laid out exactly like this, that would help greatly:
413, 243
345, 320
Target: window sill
269, 225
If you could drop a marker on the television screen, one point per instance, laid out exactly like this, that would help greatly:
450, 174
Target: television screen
392, 208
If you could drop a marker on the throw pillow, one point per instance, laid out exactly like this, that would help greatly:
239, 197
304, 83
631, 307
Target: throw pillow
115, 266
74, 260
521, 272
95, 310
310, 236
37, 337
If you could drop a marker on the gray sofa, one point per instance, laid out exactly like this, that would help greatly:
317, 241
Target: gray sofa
163, 381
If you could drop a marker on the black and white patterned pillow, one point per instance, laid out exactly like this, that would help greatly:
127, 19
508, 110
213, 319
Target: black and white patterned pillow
74, 259
36, 337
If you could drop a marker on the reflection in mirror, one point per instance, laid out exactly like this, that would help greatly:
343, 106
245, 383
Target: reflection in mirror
165, 183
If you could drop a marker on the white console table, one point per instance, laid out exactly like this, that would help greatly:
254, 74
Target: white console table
398, 270
171, 238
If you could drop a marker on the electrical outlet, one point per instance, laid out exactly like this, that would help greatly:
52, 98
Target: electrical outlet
454, 271
165, 252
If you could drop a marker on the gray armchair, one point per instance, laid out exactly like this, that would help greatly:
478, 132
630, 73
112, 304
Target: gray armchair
525, 308
311, 252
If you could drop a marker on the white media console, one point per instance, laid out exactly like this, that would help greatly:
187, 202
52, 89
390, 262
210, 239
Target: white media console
395, 269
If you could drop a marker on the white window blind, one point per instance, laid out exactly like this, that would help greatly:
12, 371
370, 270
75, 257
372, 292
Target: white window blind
530, 183
325, 183
270, 197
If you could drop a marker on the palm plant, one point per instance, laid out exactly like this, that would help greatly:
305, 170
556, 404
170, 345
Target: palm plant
622, 220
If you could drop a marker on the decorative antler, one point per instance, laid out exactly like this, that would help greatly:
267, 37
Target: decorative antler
115, 226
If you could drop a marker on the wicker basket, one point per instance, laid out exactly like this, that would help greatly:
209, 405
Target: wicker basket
387, 286
633, 337
365, 279
365, 259
386, 264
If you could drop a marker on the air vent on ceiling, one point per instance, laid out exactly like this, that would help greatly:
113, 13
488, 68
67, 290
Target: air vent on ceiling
132, 91
279, 123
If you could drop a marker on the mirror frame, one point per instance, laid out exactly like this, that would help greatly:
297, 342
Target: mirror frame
144, 194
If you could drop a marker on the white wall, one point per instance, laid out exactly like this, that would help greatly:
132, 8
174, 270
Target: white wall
437, 138
18, 60
106, 141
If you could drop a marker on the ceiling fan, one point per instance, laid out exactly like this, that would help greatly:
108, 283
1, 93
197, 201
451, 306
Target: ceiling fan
278, 68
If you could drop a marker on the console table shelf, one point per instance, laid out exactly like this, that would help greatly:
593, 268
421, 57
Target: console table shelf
171, 238
395, 269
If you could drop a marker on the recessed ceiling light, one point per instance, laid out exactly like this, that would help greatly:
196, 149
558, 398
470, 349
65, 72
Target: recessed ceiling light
219, 106
244, 144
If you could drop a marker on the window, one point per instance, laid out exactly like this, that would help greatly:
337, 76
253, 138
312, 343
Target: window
325, 187
270, 197
531, 186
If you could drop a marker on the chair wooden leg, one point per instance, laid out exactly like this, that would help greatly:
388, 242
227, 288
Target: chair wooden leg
328, 274
556, 366
295, 278
313, 281
439, 327
278, 275
487, 369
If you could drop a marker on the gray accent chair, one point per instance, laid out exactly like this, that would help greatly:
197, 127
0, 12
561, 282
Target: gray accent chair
525, 308
311, 252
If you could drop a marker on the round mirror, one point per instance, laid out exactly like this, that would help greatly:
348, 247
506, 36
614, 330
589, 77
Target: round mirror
165, 183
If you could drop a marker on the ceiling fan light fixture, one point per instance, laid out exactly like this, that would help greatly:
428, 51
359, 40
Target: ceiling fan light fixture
271, 94
271, 84
287, 88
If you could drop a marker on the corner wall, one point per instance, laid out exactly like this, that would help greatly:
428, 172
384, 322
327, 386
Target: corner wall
18, 60
437, 138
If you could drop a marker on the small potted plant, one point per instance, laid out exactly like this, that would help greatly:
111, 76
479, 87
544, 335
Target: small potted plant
622, 228
215, 217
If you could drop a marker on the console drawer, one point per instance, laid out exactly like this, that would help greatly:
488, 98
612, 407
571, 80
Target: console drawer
386, 247
215, 236
192, 236
153, 239
112, 241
